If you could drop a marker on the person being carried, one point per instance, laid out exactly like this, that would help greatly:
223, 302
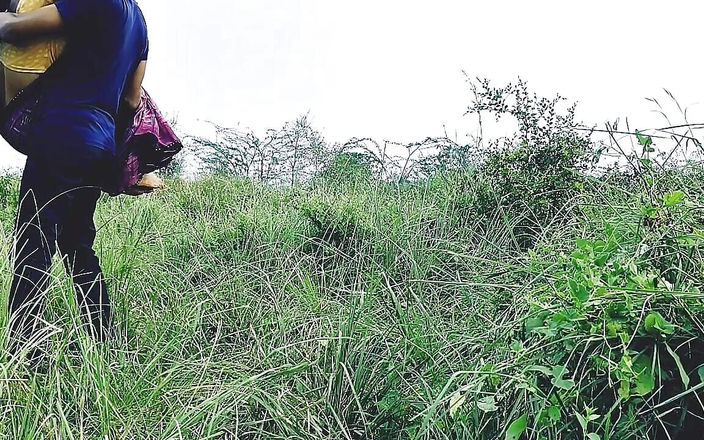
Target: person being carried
71, 143
23, 64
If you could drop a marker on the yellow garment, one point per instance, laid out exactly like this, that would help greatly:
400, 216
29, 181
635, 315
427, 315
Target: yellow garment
34, 57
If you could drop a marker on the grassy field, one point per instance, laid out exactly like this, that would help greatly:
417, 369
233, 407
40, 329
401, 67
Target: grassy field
244, 316
513, 289
366, 310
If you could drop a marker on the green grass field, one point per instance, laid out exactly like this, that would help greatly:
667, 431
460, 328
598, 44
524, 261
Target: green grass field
516, 289
369, 310
244, 319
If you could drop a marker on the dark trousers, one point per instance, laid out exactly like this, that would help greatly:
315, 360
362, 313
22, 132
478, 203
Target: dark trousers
58, 197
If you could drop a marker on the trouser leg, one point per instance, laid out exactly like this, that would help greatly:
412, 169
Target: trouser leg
76, 246
34, 246
58, 205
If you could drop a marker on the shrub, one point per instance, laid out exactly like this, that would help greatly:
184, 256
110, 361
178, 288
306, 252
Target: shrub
613, 347
349, 167
535, 173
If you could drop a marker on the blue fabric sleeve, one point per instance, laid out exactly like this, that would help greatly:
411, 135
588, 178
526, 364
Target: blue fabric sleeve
145, 53
75, 11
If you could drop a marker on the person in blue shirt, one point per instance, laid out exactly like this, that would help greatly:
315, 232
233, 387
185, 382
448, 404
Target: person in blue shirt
72, 143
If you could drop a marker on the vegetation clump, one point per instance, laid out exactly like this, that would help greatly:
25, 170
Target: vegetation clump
510, 289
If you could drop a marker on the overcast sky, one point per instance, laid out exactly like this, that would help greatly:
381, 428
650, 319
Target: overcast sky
392, 69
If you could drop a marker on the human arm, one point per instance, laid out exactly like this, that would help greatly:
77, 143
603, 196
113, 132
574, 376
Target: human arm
133, 89
16, 28
51, 19
131, 101
131, 98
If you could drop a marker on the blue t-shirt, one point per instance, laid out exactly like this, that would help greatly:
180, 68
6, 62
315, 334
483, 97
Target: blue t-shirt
106, 41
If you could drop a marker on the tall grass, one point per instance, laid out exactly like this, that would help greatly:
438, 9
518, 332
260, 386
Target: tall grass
249, 312
348, 310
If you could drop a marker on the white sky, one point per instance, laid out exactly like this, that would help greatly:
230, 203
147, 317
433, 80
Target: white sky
392, 69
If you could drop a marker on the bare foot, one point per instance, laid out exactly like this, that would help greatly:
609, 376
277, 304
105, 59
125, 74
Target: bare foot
147, 184
150, 181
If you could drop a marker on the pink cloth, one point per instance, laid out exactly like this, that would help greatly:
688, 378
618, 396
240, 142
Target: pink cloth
149, 144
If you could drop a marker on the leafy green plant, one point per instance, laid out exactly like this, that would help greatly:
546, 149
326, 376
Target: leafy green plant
533, 174
608, 318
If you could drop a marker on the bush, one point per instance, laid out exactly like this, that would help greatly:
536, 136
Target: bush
533, 175
616, 345
349, 167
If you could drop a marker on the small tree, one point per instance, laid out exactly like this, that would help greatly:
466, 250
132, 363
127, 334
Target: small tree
533, 174
303, 150
288, 155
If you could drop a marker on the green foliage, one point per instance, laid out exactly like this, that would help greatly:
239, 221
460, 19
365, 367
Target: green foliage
9, 193
349, 167
517, 428
288, 155
507, 296
611, 316
339, 223
384, 311
533, 175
